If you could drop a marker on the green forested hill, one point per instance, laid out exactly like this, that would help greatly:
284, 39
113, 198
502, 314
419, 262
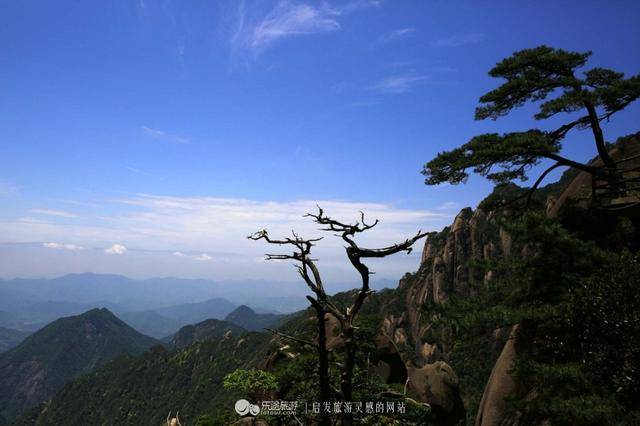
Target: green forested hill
59, 352
142, 390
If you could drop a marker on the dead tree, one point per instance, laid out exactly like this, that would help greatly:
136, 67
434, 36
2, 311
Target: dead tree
309, 272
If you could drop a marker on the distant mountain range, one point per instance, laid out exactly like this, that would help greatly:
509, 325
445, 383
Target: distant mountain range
61, 351
157, 307
123, 294
163, 322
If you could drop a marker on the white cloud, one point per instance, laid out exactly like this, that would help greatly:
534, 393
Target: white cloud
179, 254
395, 35
399, 83
286, 20
204, 257
164, 136
459, 40
49, 212
59, 246
210, 224
116, 249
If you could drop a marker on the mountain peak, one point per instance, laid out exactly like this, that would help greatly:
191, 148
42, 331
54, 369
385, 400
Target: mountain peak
248, 319
244, 309
61, 351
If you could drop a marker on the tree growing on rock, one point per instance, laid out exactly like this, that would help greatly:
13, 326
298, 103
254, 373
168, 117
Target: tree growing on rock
549, 76
346, 316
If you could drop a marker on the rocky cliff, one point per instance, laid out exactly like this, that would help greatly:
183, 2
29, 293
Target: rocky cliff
449, 265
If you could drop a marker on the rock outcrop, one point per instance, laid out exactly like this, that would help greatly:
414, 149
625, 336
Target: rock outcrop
501, 384
446, 268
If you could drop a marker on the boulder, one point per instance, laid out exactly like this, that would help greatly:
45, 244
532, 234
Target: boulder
437, 385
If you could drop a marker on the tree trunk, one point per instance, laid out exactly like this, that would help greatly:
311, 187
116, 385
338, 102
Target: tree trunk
610, 174
346, 385
597, 134
323, 364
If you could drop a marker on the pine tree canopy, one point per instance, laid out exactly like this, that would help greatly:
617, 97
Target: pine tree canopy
546, 76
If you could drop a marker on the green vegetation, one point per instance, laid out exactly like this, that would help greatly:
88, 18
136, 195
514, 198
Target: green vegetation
578, 342
142, 390
253, 383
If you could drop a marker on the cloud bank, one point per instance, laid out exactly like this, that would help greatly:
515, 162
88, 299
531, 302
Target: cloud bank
185, 234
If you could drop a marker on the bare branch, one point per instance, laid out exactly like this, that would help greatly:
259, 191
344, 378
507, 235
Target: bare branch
396, 248
365, 224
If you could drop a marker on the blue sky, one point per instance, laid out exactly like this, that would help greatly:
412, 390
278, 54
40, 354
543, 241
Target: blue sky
147, 138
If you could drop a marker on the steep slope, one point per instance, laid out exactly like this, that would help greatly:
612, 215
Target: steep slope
206, 330
61, 351
248, 319
11, 338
